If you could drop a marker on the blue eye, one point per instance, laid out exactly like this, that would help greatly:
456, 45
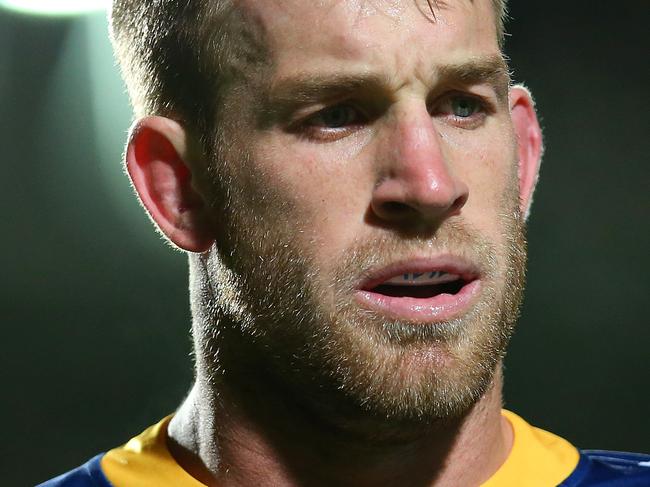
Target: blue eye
464, 107
335, 117
462, 110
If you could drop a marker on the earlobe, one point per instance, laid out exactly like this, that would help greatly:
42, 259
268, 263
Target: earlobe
156, 161
529, 143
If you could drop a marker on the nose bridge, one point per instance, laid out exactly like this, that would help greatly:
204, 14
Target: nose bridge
420, 162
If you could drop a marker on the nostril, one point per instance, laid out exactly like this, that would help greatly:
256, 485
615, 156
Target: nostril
458, 204
395, 208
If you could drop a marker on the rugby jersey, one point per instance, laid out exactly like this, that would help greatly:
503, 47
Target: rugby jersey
537, 459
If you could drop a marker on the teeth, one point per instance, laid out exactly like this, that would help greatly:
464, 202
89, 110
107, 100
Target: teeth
422, 278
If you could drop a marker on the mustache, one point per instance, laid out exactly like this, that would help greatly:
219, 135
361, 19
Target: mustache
455, 238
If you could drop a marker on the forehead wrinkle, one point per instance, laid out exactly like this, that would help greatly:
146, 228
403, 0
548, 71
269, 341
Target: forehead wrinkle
303, 87
309, 86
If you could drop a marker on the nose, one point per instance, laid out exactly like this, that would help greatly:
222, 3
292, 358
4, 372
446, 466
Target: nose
416, 182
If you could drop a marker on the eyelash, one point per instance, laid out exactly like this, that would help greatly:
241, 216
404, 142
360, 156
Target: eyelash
308, 128
482, 109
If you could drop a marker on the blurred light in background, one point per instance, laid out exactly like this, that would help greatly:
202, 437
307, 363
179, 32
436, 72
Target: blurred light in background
54, 7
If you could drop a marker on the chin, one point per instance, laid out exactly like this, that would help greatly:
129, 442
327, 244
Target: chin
414, 372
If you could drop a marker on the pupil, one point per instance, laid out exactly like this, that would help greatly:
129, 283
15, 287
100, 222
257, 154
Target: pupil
463, 107
336, 117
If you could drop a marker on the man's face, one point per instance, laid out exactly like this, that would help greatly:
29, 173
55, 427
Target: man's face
369, 240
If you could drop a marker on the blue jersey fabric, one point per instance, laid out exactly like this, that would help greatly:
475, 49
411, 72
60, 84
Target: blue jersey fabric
599, 468
90, 474
596, 468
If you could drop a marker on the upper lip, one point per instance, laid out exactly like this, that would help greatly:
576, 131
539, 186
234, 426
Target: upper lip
446, 263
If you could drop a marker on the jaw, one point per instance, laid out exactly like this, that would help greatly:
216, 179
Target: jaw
346, 360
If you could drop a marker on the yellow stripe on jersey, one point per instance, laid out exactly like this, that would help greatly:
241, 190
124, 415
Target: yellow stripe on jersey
537, 459
145, 461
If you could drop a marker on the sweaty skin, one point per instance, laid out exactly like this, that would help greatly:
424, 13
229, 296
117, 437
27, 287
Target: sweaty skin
371, 136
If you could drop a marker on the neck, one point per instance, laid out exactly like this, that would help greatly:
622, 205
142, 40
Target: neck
235, 437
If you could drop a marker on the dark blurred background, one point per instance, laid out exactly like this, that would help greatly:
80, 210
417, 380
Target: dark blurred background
94, 308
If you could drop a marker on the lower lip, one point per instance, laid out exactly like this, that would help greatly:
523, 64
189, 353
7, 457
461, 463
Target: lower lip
442, 307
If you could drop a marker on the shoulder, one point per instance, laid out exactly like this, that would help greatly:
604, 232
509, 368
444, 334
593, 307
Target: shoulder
87, 475
610, 468
143, 461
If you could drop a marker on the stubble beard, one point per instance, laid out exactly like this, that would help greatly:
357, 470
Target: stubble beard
264, 312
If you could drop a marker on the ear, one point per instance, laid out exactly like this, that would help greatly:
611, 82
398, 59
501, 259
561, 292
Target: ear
156, 161
529, 143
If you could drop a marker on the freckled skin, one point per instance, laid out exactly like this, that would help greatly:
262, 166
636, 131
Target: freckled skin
346, 171
351, 397
317, 195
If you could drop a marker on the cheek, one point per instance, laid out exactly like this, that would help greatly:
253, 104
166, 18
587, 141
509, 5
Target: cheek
487, 163
320, 190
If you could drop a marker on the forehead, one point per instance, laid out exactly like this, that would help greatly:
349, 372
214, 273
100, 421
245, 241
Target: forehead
304, 36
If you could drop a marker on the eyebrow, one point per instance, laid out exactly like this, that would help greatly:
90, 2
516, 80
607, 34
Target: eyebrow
491, 70
287, 94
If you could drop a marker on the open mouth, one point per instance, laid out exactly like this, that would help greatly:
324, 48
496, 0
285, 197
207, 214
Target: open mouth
421, 285
422, 290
